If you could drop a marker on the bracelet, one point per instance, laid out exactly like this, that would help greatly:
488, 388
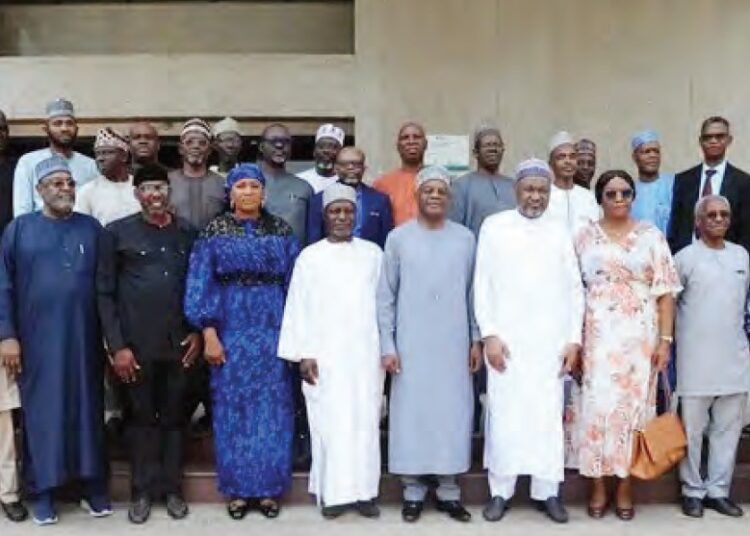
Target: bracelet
667, 338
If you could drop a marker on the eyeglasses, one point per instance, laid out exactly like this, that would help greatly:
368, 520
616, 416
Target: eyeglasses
718, 137
716, 214
161, 188
278, 140
611, 195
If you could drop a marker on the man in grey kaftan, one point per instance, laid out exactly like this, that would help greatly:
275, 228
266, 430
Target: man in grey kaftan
713, 359
426, 334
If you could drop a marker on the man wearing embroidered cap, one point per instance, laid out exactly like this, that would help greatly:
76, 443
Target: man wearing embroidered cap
109, 197
50, 341
61, 129
653, 200
585, 162
570, 205
228, 145
528, 303
328, 142
430, 345
337, 279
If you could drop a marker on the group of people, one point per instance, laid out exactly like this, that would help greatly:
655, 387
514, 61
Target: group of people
282, 302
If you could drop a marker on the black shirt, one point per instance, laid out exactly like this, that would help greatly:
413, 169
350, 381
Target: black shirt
140, 284
7, 168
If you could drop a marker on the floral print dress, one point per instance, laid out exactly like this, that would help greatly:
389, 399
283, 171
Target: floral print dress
623, 281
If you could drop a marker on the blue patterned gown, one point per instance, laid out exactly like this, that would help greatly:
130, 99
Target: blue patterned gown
237, 280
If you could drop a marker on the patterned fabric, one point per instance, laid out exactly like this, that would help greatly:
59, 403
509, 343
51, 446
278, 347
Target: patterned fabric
252, 392
617, 396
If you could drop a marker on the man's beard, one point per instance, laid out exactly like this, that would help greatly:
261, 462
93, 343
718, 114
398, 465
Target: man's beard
65, 144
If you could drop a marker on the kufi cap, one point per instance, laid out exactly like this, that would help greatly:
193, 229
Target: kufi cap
533, 167
196, 125
339, 192
48, 166
330, 131
226, 125
107, 137
430, 173
561, 138
585, 145
60, 108
643, 137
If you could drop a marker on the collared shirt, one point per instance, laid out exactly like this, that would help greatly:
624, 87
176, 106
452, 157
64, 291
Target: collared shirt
25, 197
141, 283
716, 180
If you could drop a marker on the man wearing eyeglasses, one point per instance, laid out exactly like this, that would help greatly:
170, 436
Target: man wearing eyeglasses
713, 359
142, 266
287, 196
715, 176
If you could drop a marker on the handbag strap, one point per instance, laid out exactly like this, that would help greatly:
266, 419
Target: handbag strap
664, 381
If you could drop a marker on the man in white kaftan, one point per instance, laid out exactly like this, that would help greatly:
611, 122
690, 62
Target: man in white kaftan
529, 307
330, 327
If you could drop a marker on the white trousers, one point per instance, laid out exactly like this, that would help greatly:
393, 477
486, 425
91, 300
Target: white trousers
505, 487
8, 469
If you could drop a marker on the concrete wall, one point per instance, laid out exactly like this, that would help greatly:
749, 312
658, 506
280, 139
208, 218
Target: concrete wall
600, 68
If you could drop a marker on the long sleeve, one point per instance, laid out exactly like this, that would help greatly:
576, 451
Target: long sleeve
315, 219
675, 215
106, 291
458, 202
473, 327
295, 337
575, 286
8, 328
202, 298
83, 200
387, 298
292, 252
23, 188
386, 222
484, 285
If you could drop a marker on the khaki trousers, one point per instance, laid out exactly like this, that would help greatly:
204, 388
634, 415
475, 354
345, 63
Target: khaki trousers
8, 469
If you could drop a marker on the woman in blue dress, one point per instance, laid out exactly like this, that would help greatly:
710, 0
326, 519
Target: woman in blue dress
239, 270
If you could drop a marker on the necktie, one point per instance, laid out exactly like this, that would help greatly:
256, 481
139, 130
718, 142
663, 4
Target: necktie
707, 187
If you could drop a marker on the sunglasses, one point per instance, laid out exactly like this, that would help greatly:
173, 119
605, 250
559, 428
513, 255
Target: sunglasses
611, 195
154, 188
716, 214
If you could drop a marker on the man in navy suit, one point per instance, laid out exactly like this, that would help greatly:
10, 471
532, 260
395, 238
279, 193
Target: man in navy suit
715, 176
374, 219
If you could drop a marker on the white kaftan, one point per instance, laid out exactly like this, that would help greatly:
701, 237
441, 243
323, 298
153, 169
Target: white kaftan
331, 316
528, 292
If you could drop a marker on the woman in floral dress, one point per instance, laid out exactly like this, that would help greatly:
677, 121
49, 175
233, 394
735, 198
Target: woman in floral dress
630, 281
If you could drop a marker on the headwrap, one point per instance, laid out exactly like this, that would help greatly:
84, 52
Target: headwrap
60, 108
586, 146
107, 137
330, 131
226, 125
245, 171
339, 192
48, 166
643, 137
150, 172
533, 167
431, 173
196, 125
561, 138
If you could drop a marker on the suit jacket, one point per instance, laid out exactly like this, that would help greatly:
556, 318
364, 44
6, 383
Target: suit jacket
375, 208
735, 187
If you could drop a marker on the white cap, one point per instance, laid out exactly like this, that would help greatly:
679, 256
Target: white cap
561, 138
226, 125
330, 131
339, 192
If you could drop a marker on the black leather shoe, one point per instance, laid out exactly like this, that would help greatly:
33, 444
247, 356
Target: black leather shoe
368, 509
723, 505
692, 507
554, 509
454, 509
495, 509
177, 508
140, 510
15, 511
332, 512
411, 511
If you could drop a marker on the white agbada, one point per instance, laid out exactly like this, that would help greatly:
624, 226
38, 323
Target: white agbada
528, 292
572, 208
331, 316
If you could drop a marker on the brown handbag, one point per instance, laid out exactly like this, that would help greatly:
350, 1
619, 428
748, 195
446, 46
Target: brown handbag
661, 444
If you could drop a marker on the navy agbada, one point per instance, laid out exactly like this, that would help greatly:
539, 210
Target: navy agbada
48, 303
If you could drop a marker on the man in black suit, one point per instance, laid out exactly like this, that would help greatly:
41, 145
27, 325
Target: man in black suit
714, 176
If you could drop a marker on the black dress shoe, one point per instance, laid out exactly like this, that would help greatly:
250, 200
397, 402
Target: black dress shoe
368, 509
411, 511
495, 509
177, 508
692, 507
15, 511
140, 510
554, 509
723, 505
454, 509
332, 512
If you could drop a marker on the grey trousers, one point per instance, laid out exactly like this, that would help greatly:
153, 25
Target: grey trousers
721, 419
416, 487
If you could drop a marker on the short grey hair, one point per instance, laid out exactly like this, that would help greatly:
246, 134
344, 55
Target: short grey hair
700, 206
485, 129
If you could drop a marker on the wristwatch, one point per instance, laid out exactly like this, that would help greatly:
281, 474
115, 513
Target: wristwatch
667, 338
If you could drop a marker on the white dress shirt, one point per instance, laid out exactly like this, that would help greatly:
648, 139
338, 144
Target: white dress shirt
716, 180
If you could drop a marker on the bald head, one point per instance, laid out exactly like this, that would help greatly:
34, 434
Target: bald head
144, 142
411, 144
350, 165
